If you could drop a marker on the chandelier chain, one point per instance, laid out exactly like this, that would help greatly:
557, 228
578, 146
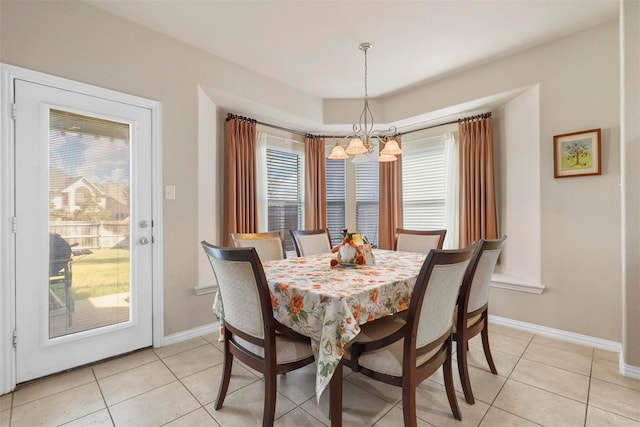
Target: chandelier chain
366, 90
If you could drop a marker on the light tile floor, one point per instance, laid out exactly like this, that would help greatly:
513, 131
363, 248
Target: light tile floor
541, 381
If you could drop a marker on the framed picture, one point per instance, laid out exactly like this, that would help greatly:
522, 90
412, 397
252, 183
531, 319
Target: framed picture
577, 154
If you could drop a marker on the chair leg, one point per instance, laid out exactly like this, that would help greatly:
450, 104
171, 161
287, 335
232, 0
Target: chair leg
463, 367
487, 349
226, 377
409, 403
270, 391
448, 384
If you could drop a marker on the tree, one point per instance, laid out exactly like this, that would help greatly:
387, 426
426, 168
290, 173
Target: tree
576, 151
90, 210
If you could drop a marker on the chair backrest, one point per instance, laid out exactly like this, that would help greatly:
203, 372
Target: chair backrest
311, 242
421, 241
270, 246
474, 293
243, 289
435, 294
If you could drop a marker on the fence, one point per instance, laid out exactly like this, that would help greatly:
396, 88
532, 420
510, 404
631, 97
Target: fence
96, 235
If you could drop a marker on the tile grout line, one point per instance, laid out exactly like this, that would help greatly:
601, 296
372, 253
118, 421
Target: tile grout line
491, 405
187, 388
95, 378
586, 408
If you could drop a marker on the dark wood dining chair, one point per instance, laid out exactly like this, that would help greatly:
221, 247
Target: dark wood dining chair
471, 312
270, 245
311, 242
249, 327
405, 353
421, 241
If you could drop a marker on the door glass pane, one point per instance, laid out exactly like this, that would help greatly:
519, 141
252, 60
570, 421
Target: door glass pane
89, 229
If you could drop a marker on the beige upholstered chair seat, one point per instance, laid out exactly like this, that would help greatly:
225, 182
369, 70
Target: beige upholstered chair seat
388, 360
287, 349
470, 320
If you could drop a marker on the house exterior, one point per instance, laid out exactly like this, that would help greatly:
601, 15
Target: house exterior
553, 225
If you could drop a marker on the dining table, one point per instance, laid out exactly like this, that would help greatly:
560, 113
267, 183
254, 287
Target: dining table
329, 303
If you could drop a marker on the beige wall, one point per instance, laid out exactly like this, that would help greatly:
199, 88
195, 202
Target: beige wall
580, 217
79, 42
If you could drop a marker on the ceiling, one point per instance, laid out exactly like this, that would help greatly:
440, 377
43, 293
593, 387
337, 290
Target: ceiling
313, 45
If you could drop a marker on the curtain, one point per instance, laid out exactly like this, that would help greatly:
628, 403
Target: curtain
240, 214
477, 192
452, 193
262, 190
315, 195
389, 202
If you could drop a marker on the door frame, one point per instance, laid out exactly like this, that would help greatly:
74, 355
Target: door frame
10, 73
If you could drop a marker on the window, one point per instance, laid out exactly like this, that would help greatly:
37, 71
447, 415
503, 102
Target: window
423, 183
367, 200
284, 192
336, 211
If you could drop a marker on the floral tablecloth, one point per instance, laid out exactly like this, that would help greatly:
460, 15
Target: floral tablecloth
329, 303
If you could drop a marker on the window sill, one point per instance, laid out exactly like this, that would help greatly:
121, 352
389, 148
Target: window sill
504, 281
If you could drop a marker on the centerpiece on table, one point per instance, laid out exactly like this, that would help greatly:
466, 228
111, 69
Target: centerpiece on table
351, 251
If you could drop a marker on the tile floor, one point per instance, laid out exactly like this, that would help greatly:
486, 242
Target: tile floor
541, 381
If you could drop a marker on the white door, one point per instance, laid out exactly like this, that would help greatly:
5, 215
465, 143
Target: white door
83, 228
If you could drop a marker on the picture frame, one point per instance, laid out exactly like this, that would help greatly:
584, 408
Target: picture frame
577, 154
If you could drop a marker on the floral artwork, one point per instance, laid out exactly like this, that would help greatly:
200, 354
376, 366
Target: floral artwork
577, 154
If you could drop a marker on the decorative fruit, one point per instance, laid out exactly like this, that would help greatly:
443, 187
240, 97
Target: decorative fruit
334, 262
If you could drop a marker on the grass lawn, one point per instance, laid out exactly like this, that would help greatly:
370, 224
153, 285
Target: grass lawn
104, 272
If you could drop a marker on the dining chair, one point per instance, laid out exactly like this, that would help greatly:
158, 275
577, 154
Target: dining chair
421, 241
471, 312
405, 353
249, 327
270, 246
311, 242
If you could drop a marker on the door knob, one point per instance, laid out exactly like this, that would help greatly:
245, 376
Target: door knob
144, 240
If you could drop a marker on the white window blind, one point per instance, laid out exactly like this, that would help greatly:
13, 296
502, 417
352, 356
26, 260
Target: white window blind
423, 183
367, 200
284, 188
335, 179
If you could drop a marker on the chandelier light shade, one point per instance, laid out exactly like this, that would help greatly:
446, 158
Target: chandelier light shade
361, 145
338, 153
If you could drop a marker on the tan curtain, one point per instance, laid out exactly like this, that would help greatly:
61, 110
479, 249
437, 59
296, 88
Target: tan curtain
390, 202
315, 197
477, 192
240, 212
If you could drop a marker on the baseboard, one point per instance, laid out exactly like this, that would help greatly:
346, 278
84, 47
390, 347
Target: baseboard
628, 370
191, 333
558, 334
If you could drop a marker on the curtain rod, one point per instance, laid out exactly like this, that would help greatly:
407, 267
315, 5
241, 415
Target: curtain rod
231, 116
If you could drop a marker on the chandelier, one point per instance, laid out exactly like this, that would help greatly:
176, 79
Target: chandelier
361, 145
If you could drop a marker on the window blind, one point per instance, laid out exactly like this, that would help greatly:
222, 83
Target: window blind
423, 184
336, 213
367, 200
284, 189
